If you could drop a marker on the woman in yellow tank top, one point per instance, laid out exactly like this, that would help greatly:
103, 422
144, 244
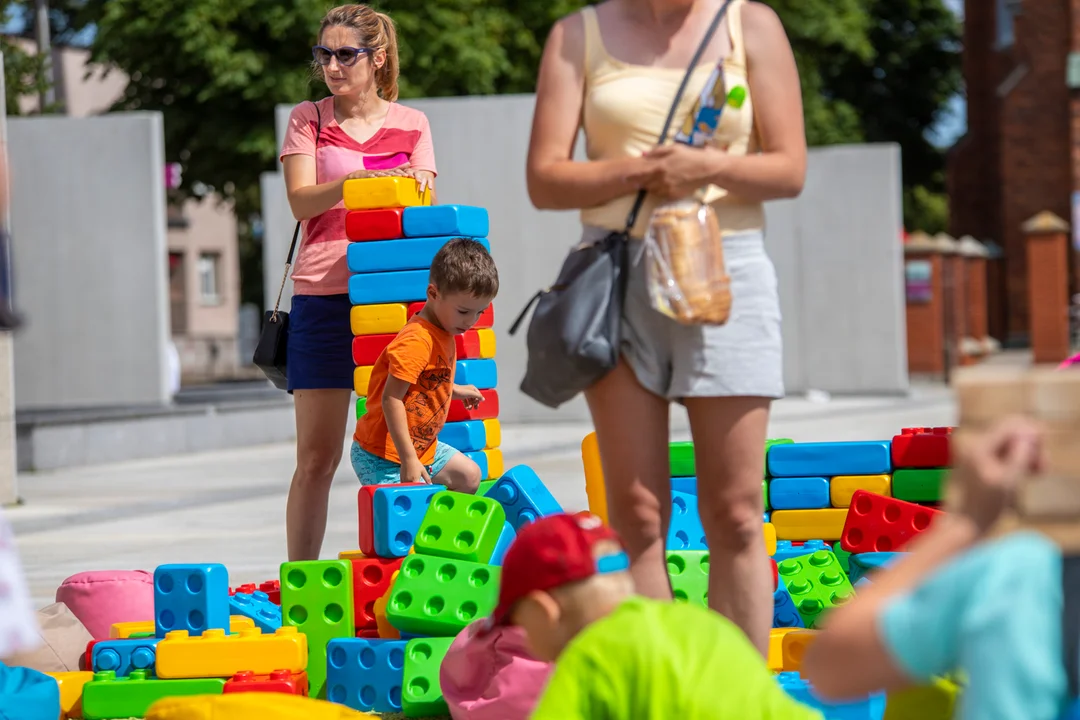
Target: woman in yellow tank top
613, 70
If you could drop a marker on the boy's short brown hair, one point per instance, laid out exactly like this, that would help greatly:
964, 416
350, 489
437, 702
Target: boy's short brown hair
464, 265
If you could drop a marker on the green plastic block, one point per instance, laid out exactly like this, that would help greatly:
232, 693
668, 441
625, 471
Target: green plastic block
317, 599
421, 694
919, 485
135, 635
768, 445
681, 456
361, 407
485, 486
816, 583
842, 556
438, 597
935, 701
689, 573
107, 696
460, 526
765, 493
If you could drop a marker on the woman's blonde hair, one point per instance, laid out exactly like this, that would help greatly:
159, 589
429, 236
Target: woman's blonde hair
376, 31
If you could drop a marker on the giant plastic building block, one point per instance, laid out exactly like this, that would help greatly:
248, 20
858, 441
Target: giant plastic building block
688, 485
495, 466
123, 656
785, 614
816, 584
776, 647
378, 319
365, 674
251, 706
487, 409
506, 537
215, 654
467, 345
933, 701
824, 524
842, 487
524, 497
398, 512
383, 192
793, 548
882, 524
483, 374
71, 690
421, 694
685, 531
794, 647
594, 476
870, 708
455, 220
367, 348
689, 574
380, 224
279, 681
468, 436
460, 526
361, 379
798, 493
361, 407
922, 448
366, 518
770, 538
107, 697
439, 596
257, 607
681, 458
191, 597
391, 255
864, 563
145, 628
921, 485
486, 339
390, 287
371, 580
829, 458
316, 599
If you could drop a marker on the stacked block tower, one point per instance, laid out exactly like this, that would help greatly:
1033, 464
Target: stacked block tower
395, 233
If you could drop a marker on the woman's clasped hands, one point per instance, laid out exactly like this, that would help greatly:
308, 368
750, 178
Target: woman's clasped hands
425, 179
677, 170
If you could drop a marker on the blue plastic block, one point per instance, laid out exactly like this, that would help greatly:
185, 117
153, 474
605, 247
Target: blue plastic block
124, 655
365, 674
766, 517
435, 220
785, 614
469, 436
686, 485
785, 550
869, 708
1072, 712
28, 694
480, 459
862, 582
685, 531
403, 286
191, 597
503, 544
257, 606
484, 374
804, 493
523, 496
397, 511
862, 563
830, 458
403, 254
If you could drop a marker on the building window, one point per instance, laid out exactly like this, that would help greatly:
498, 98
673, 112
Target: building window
210, 278
1007, 10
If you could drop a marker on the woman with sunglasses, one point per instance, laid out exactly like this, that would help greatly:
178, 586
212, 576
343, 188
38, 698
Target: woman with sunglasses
357, 132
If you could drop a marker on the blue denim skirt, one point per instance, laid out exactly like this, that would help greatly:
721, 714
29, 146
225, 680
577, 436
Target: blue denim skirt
320, 343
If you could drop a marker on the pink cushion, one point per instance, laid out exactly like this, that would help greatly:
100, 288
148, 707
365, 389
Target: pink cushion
102, 597
492, 676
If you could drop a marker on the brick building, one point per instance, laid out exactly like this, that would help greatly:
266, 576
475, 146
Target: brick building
1021, 152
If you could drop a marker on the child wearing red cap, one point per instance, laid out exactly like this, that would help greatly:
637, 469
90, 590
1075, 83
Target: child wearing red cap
566, 581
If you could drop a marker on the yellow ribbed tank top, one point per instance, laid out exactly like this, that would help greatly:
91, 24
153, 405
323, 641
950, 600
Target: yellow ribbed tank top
624, 110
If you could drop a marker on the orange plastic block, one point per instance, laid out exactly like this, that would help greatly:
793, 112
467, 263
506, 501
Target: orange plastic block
776, 647
351, 555
71, 688
825, 524
794, 648
487, 342
279, 681
770, 538
842, 487
377, 319
594, 477
124, 630
215, 654
361, 378
251, 706
495, 463
493, 436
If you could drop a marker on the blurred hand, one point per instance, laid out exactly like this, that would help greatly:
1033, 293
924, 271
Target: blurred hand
678, 170
469, 396
424, 179
400, 171
413, 471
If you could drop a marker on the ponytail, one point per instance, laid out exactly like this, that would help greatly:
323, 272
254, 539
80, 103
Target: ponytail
386, 77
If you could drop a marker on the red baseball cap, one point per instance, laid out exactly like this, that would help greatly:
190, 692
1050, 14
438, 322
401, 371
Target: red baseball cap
553, 551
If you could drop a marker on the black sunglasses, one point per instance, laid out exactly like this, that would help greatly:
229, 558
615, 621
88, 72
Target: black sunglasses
345, 55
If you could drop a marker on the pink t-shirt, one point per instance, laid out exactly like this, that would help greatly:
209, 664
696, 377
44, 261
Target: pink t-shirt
319, 267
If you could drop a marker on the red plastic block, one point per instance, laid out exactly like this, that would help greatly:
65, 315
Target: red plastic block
371, 579
272, 588
487, 318
775, 575
247, 588
922, 448
367, 348
366, 519
88, 660
876, 523
487, 410
381, 224
368, 633
468, 345
279, 681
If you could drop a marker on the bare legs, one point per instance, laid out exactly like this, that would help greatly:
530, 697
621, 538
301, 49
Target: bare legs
321, 418
460, 474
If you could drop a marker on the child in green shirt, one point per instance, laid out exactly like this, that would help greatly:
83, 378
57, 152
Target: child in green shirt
620, 656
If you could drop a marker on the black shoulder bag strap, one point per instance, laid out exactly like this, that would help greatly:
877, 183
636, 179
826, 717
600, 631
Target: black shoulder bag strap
631, 219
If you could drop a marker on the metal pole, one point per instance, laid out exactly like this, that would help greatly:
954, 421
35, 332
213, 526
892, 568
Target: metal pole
9, 490
41, 23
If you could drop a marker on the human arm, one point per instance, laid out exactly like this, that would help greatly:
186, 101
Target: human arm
397, 424
422, 159
468, 394
556, 181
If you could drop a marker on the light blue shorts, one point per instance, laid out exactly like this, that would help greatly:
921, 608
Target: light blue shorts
374, 470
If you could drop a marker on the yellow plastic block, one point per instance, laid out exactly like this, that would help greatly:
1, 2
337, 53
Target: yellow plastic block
487, 342
383, 192
71, 687
377, 319
776, 647
770, 538
793, 648
361, 378
493, 433
123, 630
842, 487
495, 463
594, 477
215, 654
826, 524
386, 630
936, 701
250, 705
351, 555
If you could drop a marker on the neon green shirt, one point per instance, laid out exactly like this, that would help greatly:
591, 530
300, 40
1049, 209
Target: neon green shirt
661, 660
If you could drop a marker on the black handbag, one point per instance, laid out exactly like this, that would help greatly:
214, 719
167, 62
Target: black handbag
271, 354
574, 336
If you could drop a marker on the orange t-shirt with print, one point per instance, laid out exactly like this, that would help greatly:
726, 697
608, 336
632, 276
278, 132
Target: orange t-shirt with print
423, 356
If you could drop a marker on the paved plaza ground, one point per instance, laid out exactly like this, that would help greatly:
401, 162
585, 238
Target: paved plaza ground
229, 506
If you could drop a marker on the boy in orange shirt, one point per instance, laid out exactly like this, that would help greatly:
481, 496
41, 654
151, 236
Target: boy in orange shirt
412, 382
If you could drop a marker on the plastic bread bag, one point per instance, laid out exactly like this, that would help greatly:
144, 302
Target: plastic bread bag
685, 273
